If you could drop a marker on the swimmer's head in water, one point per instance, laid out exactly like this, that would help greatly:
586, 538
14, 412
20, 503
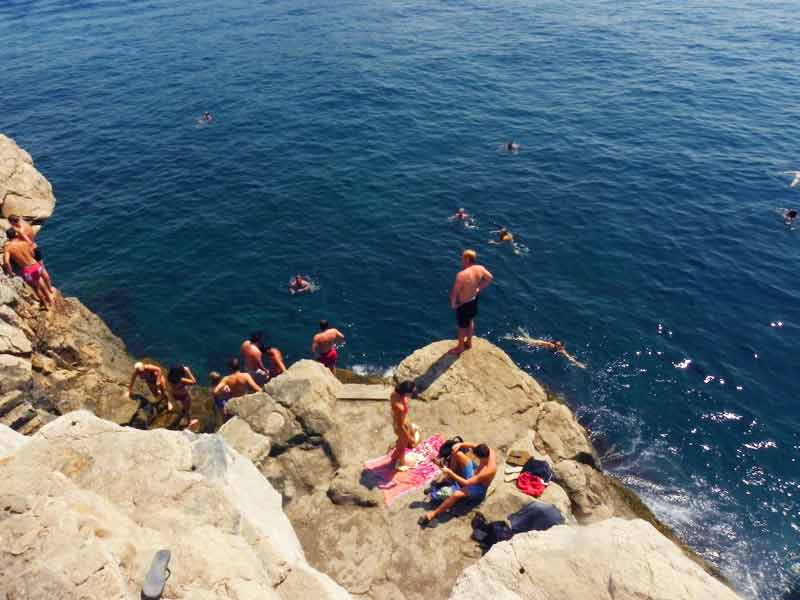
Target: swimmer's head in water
324, 325
469, 256
233, 365
214, 377
791, 213
138, 367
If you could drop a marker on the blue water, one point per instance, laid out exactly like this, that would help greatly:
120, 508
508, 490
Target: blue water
646, 193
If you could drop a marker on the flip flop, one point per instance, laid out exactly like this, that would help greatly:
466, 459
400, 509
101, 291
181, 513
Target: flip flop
511, 470
157, 576
512, 477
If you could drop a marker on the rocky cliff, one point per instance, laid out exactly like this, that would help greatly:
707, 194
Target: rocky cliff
84, 503
312, 443
57, 361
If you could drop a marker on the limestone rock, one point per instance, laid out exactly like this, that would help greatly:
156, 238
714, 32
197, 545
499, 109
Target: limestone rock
13, 341
561, 435
23, 190
10, 440
239, 436
15, 373
91, 367
87, 503
611, 560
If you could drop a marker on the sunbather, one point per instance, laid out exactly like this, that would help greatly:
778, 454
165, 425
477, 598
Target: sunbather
474, 487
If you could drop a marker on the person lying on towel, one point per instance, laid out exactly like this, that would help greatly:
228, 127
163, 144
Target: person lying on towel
473, 485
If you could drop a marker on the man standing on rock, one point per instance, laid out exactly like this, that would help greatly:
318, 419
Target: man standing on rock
323, 345
469, 282
252, 355
21, 252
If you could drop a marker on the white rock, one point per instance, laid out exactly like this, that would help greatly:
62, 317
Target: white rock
610, 560
90, 502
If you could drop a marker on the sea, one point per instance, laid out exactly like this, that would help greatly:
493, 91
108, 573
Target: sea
646, 202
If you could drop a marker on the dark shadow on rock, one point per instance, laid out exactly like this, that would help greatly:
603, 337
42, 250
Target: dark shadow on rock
427, 379
369, 479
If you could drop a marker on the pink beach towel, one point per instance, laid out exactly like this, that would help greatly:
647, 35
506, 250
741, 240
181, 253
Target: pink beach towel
399, 483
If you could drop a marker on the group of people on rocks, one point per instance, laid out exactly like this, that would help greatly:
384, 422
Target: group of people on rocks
259, 363
461, 478
21, 252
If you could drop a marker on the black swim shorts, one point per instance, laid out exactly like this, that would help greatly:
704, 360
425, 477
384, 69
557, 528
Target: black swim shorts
466, 312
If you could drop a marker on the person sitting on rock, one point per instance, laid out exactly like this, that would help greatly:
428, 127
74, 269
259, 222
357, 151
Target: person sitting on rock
153, 376
323, 345
252, 353
398, 402
21, 252
473, 487
276, 366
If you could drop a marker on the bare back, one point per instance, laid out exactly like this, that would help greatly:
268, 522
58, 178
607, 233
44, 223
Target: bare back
468, 283
240, 384
251, 355
486, 473
325, 340
21, 253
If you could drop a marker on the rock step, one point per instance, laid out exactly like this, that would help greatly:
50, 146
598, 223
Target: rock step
10, 401
363, 391
32, 426
18, 416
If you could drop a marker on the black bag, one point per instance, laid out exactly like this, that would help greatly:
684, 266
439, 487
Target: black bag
488, 534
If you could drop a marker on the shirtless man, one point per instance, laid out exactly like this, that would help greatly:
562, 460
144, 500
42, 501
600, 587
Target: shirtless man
235, 384
251, 353
473, 486
26, 232
153, 376
556, 347
276, 366
323, 345
469, 282
299, 285
20, 251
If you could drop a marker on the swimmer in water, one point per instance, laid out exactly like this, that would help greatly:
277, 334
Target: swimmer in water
299, 285
790, 216
207, 117
503, 236
460, 215
511, 147
796, 181
556, 347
